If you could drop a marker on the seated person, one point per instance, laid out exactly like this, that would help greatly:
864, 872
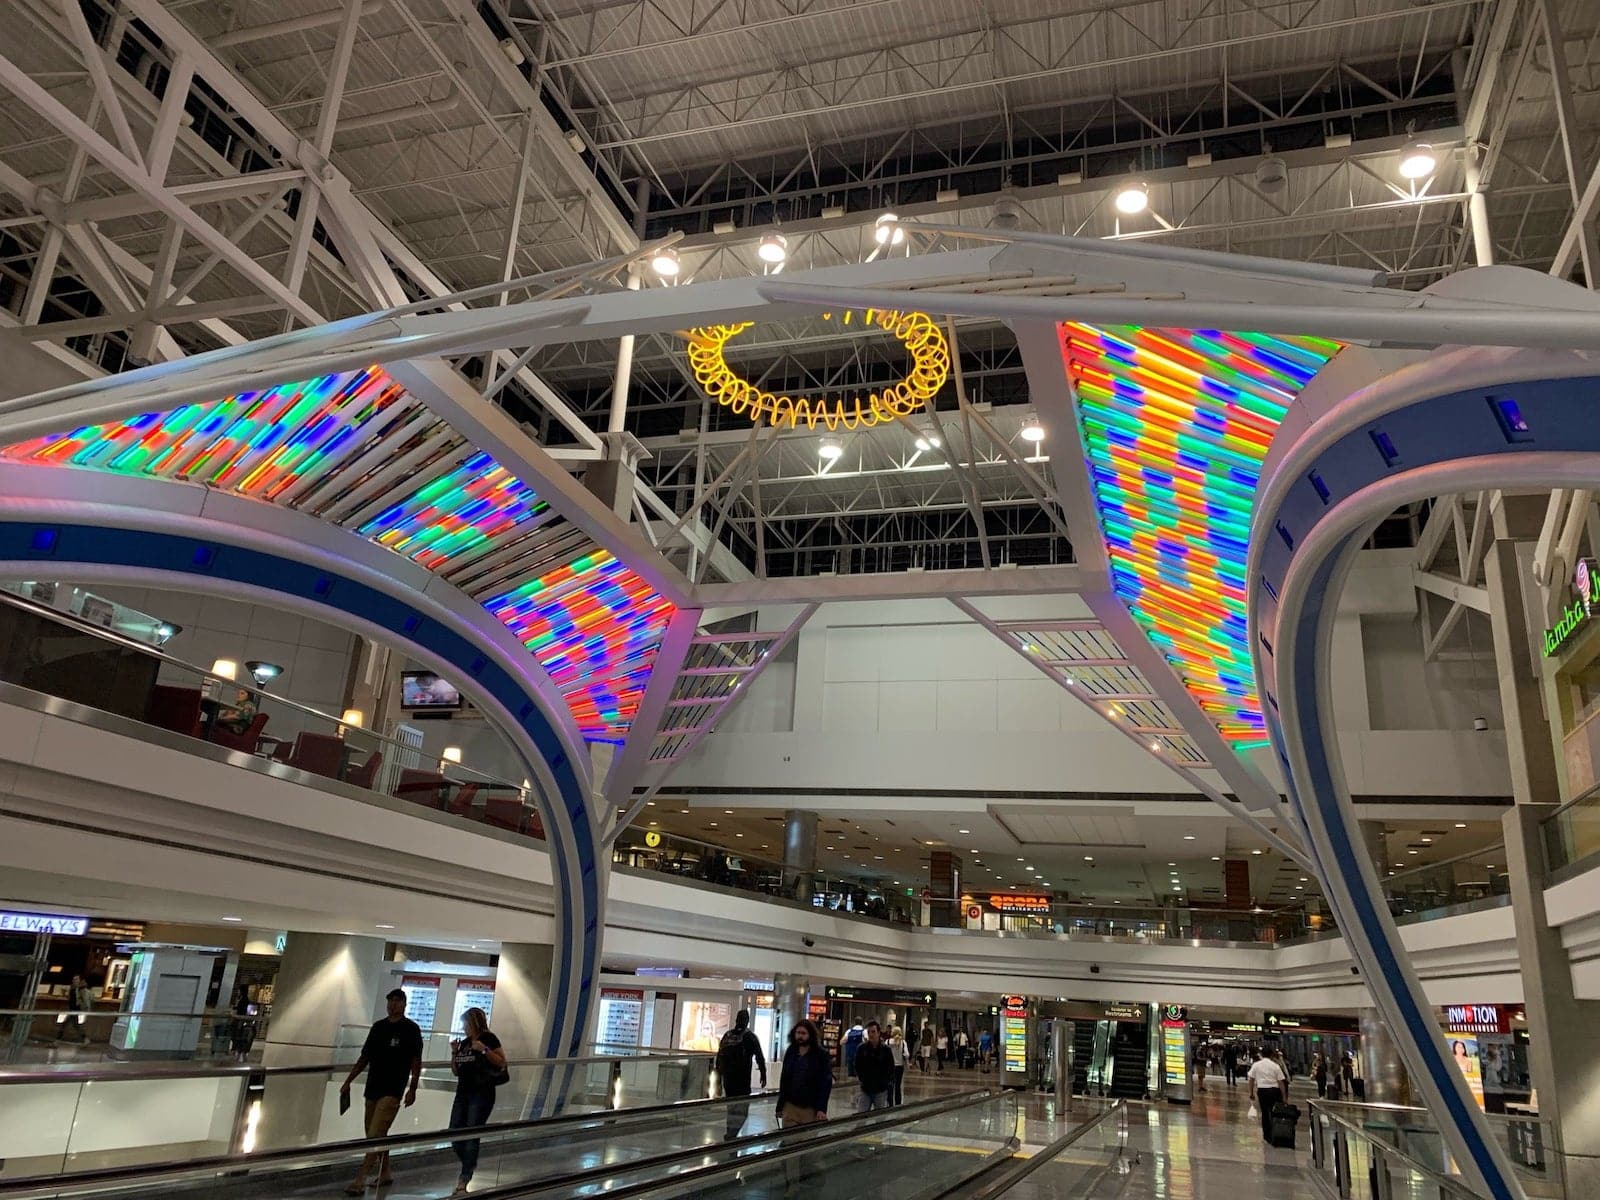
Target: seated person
236, 715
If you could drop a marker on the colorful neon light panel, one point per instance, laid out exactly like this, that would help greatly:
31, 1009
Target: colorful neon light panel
593, 624
1176, 424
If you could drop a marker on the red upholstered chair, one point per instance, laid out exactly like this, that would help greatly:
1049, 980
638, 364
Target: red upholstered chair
282, 751
319, 753
175, 708
420, 787
505, 812
461, 803
245, 741
366, 774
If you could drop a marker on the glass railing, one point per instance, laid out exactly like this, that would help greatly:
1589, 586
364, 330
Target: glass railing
1572, 834
722, 866
1382, 1151
690, 1149
60, 655
71, 1120
35, 1037
351, 1037
1466, 880
1072, 1167
918, 1152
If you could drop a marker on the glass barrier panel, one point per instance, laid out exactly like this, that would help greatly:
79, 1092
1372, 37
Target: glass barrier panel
56, 654
922, 1157
64, 1037
1573, 833
590, 1151
50, 1128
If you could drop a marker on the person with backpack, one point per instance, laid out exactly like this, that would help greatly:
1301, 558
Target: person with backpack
874, 1070
736, 1052
479, 1064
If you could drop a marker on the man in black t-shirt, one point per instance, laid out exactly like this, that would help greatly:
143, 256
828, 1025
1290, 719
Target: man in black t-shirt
735, 1054
393, 1052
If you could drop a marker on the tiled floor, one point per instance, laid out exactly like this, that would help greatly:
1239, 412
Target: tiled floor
1208, 1150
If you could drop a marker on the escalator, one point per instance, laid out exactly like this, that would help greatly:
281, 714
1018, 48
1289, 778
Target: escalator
1130, 1059
1082, 1055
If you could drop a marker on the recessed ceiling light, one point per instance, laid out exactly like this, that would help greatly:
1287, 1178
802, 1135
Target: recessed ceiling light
1258, 852
383, 926
963, 831
1413, 851
727, 812
713, 824
233, 918
1188, 837
1461, 824
1172, 864
1088, 858
1216, 858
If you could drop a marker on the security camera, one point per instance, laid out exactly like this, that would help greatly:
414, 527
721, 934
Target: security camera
807, 942
1094, 968
1481, 724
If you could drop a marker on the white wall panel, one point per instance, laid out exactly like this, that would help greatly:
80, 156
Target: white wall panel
968, 707
907, 708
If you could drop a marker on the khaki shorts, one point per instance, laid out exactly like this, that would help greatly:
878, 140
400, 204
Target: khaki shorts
793, 1114
381, 1112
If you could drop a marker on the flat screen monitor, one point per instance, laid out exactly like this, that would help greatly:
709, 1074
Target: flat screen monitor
424, 689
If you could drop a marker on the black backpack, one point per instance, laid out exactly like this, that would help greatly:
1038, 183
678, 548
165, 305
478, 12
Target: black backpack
730, 1050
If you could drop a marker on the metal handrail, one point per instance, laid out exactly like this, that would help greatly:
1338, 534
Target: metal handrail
1443, 862
107, 1177
78, 624
1445, 1184
1012, 1176
140, 1070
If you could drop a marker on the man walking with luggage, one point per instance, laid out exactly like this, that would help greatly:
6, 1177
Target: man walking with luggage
1270, 1087
735, 1054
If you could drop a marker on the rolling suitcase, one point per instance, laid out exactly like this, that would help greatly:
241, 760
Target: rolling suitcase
1285, 1118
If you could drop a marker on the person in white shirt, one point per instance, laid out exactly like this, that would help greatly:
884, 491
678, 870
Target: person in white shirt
897, 1047
1270, 1087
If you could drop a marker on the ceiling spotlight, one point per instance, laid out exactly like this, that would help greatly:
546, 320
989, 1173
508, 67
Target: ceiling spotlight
829, 450
774, 248
1133, 199
929, 439
1258, 852
887, 230
1031, 430
664, 262
1417, 161
1189, 837
1088, 858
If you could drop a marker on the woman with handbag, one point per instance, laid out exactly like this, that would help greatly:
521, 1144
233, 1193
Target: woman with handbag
479, 1065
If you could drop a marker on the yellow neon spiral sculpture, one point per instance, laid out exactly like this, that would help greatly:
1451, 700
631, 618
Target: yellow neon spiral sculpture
930, 367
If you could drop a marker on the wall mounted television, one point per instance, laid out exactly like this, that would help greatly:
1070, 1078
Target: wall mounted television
425, 691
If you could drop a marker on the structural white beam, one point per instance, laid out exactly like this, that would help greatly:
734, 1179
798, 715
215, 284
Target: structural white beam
1452, 590
900, 585
457, 402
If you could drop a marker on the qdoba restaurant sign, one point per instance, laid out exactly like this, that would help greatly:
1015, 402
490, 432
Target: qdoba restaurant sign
1003, 903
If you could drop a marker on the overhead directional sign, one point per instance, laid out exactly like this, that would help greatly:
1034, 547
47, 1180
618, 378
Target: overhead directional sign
883, 996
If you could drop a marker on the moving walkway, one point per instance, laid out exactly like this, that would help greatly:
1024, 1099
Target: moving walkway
961, 1146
